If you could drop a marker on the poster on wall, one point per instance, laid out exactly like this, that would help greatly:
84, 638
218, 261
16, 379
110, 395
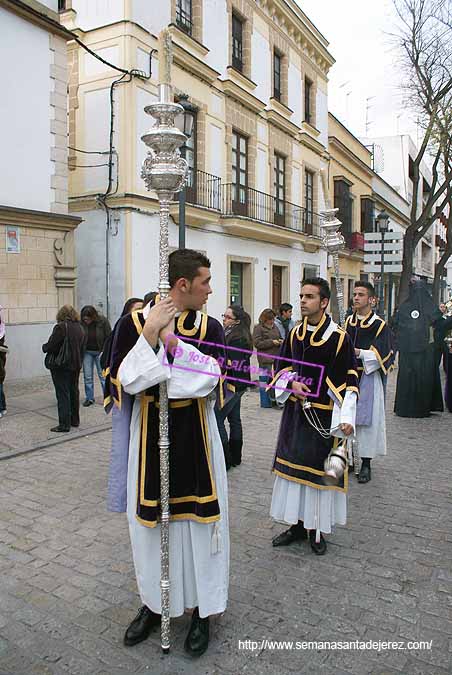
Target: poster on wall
12, 239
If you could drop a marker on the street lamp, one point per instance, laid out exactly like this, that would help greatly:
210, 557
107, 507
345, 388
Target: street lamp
382, 222
184, 122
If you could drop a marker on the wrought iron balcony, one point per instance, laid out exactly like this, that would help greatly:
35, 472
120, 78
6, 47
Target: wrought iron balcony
259, 206
203, 189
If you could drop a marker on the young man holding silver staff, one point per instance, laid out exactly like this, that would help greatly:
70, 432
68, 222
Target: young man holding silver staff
152, 345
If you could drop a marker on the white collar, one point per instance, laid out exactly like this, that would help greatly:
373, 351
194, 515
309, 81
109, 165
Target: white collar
147, 309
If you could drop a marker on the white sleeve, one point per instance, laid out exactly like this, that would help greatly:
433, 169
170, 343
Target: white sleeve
282, 394
370, 361
193, 374
142, 368
343, 414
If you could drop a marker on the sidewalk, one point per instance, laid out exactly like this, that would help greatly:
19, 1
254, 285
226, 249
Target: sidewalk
32, 411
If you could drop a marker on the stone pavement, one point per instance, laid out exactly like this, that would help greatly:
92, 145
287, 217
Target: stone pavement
32, 410
68, 591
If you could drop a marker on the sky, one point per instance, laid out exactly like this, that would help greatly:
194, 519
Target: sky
366, 65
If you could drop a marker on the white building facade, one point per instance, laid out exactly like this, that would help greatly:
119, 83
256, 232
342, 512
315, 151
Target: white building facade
256, 75
37, 264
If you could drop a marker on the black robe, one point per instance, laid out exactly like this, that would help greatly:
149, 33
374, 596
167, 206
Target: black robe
418, 382
301, 451
192, 488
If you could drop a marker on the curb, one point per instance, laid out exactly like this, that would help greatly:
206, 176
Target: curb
58, 441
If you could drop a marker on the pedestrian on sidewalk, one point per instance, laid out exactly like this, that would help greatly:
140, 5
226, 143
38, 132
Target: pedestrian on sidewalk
267, 341
64, 353
236, 324
372, 340
97, 329
3, 352
284, 321
198, 527
307, 435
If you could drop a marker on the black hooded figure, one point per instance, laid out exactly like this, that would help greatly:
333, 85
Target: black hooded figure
418, 381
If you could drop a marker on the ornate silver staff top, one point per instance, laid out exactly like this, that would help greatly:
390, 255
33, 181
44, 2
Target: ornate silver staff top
333, 242
165, 172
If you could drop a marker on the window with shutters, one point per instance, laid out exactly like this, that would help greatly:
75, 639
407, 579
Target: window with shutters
309, 200
189, 152
239, 173
367, 215
277, 65
237, 42
184, 16
308, 108
344, 202
279, 189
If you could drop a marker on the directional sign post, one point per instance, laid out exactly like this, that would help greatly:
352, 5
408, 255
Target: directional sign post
383, 254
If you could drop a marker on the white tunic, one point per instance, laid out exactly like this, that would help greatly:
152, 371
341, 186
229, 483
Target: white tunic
318, 509
198, 552
372, 439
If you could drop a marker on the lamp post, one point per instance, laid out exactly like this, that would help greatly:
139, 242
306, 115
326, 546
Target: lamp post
382, 222
184, 122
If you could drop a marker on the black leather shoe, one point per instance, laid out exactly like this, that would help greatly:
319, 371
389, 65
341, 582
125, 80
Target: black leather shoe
141, 626
294, 533
87, 403
364, 474
60, 429
319, 548
197, 639
235, 448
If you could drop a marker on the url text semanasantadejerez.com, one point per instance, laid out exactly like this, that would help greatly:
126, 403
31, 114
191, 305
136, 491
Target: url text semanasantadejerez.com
321, 645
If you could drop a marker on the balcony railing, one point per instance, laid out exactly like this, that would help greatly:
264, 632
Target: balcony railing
203, 189
250, 203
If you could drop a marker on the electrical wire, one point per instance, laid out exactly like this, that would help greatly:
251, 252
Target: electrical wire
86, 166
102, 198
107, 63
88, 152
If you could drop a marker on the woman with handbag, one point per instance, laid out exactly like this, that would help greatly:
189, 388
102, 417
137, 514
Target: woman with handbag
64, 354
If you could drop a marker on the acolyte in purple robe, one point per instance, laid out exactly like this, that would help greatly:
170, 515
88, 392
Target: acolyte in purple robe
370, 333
192, 488
301, 450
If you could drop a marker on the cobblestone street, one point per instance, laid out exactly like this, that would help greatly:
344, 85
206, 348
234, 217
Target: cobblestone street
68, 587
